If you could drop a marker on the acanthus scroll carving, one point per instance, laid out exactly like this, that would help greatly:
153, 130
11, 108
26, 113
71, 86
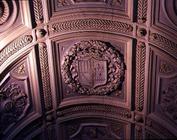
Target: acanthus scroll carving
93, 68
13, 105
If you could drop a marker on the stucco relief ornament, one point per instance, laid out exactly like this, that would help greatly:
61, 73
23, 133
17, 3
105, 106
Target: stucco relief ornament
13, 105
8, 13
4, 11
93, 68
169, 101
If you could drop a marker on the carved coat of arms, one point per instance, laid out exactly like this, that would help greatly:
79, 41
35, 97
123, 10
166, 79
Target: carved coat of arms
92, 72
93, 68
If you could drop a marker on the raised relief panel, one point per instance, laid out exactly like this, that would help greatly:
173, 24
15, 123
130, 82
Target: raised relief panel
94, 69
14, 20
93, 129
17, 100
117, 7
164, 16
8, 14
162, 101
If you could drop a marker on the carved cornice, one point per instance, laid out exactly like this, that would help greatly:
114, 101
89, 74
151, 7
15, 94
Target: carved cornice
91, 24
142, 11
105, 109
14, 47
164, 44
140, 71
43, 55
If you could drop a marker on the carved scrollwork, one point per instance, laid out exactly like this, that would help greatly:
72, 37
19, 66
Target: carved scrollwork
93, 68
13, 105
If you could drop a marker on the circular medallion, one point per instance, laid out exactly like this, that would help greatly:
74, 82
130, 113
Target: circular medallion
8, 14
93, 68
4, 12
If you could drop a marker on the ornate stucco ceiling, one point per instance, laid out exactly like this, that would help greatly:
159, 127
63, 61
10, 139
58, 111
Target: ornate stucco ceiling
88, 69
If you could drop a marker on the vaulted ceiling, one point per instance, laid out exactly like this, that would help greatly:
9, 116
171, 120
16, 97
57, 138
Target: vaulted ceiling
88, 69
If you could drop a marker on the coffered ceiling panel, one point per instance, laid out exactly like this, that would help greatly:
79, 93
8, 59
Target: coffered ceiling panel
15, 18
88, 69
119, 8
20, 99
93, 128
91, 57
165, 15
162, 89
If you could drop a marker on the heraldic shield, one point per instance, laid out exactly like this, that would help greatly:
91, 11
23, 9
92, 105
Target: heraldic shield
92, 72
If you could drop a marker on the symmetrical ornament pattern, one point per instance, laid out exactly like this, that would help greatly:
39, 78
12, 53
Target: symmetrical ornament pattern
93, 68
45, 76
38, 11
91, 24
164, 44
140, 77
170, 7
71, 2
119, 112
142, 11
14, 47
8, 14
13, 105
4, 11
94, 129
